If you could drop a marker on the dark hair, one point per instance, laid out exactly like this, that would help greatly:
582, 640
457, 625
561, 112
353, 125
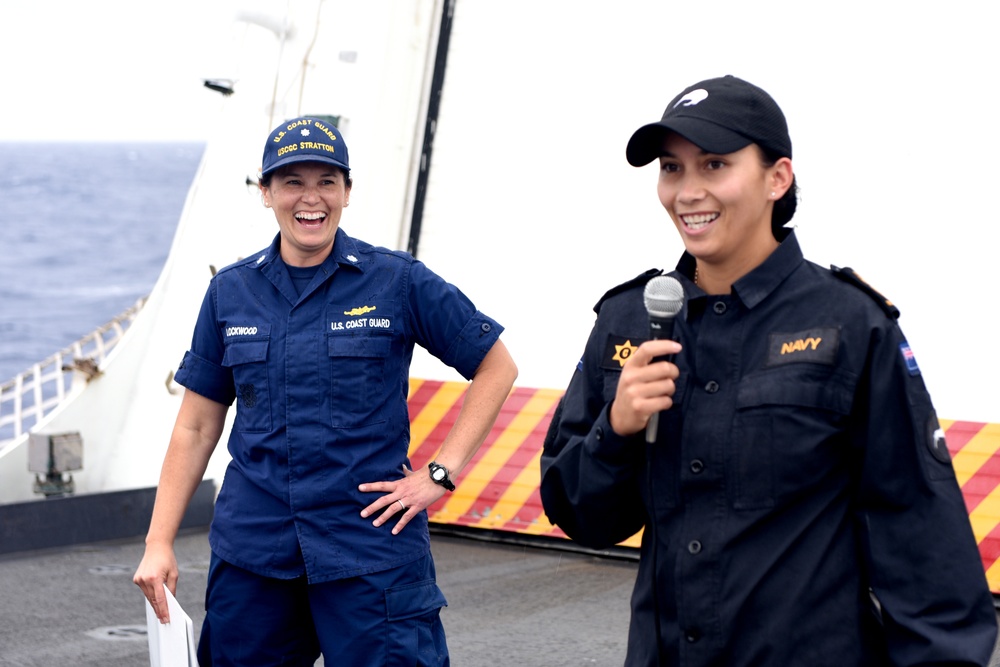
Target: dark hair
785, 207
265, 181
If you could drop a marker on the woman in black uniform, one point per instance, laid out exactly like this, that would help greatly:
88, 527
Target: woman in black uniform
798, 501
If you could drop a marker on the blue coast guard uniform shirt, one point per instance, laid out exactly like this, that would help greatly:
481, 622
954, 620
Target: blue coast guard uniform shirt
320, 382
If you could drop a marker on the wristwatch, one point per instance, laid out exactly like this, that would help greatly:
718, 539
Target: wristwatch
440, 475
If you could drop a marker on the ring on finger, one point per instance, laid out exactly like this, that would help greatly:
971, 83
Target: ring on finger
401, 504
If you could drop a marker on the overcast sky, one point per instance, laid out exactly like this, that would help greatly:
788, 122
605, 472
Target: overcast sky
110, 69
891, 104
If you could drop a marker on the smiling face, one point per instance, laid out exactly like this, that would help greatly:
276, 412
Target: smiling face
721, 204
308, 199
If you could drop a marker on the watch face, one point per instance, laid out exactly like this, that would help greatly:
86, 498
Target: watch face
438, 473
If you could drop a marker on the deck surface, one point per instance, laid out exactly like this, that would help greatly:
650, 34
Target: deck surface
508, 605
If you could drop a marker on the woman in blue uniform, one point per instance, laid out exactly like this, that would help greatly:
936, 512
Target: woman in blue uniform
798, 502
320, 541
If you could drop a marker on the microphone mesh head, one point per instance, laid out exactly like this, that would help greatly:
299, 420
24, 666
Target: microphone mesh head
663, 296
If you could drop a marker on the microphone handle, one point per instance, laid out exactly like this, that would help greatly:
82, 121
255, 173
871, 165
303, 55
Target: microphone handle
651, 426
659, 328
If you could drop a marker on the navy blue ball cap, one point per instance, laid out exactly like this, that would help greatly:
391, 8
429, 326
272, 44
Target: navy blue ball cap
304, 139
720, 116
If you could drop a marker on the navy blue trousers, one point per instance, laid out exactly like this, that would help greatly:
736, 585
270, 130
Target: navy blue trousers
387, 619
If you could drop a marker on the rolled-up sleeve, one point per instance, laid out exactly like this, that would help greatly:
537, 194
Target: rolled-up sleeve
446, 322
201, 369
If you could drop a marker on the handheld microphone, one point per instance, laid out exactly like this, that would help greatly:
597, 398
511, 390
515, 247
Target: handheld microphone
664, 298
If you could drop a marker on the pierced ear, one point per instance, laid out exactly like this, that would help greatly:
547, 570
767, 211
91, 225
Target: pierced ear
781, 177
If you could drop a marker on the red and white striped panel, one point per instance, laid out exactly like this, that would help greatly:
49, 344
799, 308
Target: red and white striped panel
498, 490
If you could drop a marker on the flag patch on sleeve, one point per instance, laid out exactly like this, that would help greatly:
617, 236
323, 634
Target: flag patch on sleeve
909, 359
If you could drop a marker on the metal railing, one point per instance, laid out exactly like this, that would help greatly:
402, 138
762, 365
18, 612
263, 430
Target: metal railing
34, 393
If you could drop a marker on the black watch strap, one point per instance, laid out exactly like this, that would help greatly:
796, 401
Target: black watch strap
439, 475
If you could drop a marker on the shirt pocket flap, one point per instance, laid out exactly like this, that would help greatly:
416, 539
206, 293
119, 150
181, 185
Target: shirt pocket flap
413, 601
245, 352
358, 346
805, 389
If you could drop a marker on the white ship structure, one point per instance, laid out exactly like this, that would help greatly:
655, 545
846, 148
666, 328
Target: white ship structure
488, 139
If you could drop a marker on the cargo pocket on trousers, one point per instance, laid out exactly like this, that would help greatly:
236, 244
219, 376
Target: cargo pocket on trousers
415, 632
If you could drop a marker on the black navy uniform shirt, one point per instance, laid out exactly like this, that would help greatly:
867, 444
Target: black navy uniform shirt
800, 466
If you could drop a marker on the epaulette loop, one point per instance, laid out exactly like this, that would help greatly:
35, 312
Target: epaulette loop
849, 276
640, 279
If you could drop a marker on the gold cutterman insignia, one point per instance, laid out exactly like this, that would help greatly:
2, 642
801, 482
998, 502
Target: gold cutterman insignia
359, 311
624, 352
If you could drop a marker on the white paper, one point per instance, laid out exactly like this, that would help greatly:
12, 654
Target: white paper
171, 644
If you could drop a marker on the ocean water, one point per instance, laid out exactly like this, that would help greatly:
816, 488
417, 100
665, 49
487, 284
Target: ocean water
84, 231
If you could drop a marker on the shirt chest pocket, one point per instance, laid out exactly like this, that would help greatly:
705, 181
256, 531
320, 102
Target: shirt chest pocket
357, 379
789, 434
248, 362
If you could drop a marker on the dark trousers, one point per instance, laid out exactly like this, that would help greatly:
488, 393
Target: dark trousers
387, 619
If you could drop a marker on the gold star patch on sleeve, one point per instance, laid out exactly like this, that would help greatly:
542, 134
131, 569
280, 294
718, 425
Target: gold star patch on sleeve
617, 351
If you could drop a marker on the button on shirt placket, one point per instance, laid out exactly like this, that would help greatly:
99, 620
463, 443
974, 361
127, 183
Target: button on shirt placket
303, 381
705, 507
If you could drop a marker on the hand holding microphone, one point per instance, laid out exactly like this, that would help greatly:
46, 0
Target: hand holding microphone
664, 298
645, 386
